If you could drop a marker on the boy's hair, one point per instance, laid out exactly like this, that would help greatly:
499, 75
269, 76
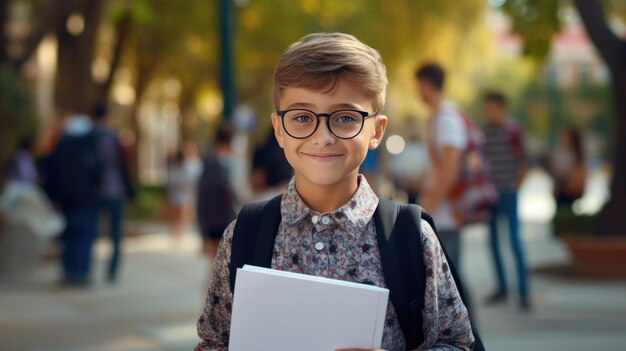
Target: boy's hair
321, 60
495, 97
432, 73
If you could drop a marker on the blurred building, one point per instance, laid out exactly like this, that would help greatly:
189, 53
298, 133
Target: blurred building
573, 60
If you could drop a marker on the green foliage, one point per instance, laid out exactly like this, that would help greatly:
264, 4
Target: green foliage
406, 32
148, 202
567, 223
140, 11
545, 109
536, 21
17, 118
617, 7
180, 39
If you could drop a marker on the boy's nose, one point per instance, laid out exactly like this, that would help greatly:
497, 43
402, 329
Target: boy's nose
322, 135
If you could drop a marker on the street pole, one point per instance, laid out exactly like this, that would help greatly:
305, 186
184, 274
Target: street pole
226, 57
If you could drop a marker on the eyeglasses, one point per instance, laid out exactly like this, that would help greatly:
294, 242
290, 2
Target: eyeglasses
344, 124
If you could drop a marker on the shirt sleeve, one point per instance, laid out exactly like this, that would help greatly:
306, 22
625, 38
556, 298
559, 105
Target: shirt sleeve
517, 141
451, 131
446, 320
214, 323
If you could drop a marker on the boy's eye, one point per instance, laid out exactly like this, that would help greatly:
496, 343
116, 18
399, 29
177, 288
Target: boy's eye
302, 118
345, 118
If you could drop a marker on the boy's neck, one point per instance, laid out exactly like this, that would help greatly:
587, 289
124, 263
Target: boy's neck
327, 198
436, 103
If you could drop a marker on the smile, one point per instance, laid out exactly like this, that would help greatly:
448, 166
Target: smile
323, 157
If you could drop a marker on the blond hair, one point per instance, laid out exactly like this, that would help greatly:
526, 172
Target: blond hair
322, 60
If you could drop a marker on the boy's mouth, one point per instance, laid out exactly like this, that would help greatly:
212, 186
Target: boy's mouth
323, 157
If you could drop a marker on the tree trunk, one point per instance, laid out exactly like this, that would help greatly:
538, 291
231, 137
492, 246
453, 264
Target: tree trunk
42, 21
613, 216
613, 51
4, 16
122, 30
75, 88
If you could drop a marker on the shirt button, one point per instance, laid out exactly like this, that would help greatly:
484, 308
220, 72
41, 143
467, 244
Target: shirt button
325, 220
319, 246
315, 219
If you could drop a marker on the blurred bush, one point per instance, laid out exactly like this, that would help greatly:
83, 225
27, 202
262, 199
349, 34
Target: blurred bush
149, 203
568, 223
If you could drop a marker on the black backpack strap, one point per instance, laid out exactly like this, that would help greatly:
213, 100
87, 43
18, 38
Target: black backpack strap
254, 236
399, 234
478, 343
400, 245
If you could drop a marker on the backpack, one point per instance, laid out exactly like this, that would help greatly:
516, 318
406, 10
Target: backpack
473, 194
399, 240
74, 171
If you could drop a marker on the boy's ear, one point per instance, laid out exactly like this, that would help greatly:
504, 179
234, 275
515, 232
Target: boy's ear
379, 131
278, 130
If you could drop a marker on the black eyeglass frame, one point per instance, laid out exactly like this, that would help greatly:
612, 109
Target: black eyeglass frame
363, 114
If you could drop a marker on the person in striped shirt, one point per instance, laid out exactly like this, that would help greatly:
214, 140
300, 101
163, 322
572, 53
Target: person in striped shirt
507, 164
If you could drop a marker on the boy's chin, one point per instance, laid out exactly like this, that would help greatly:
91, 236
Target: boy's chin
330, 179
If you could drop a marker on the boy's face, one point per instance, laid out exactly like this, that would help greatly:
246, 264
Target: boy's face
426, 90
494, 111
322, 158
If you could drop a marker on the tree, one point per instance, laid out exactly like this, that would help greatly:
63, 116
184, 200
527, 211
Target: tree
529, 20
405, 32
75, 86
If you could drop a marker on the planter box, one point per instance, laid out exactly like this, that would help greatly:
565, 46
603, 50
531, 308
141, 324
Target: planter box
597, 257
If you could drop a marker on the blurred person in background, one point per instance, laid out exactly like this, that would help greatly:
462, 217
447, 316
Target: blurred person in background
270, 170
28, 222
22, 167
116, 186
506, 155
568, 168
73, 179
216, 199
183, 170
446, 139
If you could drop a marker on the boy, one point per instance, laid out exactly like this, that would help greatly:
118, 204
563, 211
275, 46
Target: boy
447, 138
216, 199
329, 90
507, 164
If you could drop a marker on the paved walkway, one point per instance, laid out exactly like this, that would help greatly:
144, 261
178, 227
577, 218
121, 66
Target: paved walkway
159, 297
153, 306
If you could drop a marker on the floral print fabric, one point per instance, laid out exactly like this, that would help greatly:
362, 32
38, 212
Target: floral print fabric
342, 244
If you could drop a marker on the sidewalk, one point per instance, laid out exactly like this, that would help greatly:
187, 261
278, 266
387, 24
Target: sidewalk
159, 297
154, 306
567, 313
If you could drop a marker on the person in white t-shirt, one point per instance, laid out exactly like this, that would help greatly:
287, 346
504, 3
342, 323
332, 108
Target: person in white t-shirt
447, 138
183, 171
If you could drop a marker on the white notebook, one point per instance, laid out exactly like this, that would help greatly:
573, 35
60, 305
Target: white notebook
277, 310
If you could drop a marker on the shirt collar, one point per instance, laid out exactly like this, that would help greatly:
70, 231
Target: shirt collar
352, 217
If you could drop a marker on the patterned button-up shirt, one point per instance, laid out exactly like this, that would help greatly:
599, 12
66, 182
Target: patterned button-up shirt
342, 245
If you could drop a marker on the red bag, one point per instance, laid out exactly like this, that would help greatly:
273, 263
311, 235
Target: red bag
474, 194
